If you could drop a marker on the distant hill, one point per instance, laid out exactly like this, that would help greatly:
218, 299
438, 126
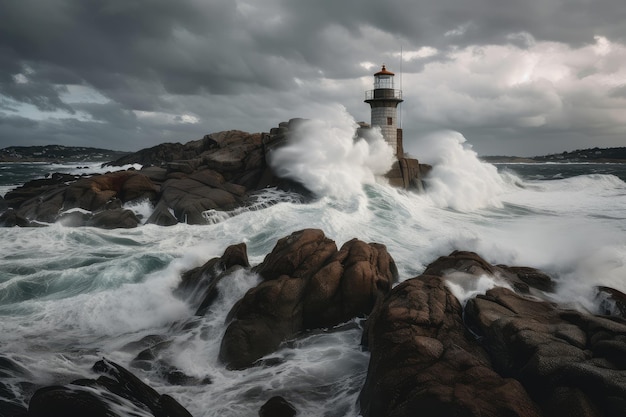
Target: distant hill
54, 153
599, 155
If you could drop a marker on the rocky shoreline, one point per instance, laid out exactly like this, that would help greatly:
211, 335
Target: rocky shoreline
507, 352
221, 172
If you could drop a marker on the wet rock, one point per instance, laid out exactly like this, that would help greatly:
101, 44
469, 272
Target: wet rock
114, 219
190, 198
116, 393
162, 215
611, 302
523, 356
54, 401
423, 358
199, 285
10, 218
95, 192
16, 197
307, 284
277, 407
520, 278
554, 353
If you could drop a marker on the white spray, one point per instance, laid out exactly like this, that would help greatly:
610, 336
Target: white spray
458, 180
325, 157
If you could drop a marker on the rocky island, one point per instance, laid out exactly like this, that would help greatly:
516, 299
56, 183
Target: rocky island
183, 182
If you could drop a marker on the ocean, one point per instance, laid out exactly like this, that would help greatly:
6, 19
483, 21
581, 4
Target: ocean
71, 296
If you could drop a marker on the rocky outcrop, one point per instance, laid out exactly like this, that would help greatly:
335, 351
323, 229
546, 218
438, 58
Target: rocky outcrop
423, 358
199, 285
182, 182
611, 302
116, 393
520, 278
567, 360
98, 199
505, 353
307, 284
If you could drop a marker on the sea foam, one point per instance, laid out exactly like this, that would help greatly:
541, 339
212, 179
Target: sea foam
327, 158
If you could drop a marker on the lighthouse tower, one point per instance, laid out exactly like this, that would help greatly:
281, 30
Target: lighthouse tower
384, 100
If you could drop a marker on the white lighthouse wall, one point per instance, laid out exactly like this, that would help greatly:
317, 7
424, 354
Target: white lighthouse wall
379, 118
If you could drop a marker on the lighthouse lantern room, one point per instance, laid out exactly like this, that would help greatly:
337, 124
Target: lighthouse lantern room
384, 100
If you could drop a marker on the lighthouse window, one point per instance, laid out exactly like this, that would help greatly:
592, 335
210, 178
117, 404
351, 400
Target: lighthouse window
383, 81
389, 121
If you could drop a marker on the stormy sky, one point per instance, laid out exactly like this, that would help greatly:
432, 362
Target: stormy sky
515, 77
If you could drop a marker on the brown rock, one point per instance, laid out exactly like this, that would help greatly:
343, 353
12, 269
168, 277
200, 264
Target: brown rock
199, 285
521, 278
553, 352
114, 219
307, 284
424, 359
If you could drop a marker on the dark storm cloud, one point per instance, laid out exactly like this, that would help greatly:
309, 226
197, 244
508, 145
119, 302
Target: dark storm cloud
158, 65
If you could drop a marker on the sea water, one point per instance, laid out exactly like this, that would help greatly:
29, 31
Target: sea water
70, 296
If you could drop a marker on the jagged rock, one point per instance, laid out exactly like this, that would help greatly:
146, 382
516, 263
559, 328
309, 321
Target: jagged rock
95, 192
306, 284
556, 354
199, 285
114, 219
3, 204
155, 174
521, 278
162, 216
424, 360
116, 393
277, 407
190, 199
523, 356
218, 172
16, 197
45, 200
533, 277
10, 218
611, 302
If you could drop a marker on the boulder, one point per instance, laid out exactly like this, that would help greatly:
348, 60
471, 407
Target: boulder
116, 393
520, 278
199, 285
114, 219
307, 284
424, 359
16, 197
95, 192
556, 354
505, 353
11, 218
190, 198
611, 302
162, 215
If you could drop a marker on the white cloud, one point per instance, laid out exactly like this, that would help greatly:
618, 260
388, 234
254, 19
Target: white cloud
548, 84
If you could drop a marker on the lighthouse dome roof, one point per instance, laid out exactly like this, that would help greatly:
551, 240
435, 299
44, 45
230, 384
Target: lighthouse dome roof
384, 71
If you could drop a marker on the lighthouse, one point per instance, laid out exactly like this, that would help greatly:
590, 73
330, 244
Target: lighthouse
384, 100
